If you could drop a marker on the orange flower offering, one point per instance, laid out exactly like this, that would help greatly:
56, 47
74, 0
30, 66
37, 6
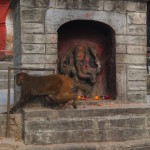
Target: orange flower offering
96, 97
79, 97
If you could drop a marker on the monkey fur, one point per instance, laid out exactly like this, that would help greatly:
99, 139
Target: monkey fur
54, 87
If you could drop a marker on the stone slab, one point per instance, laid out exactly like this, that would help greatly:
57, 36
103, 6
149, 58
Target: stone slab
32, 15
132, 49
33, 48
39, 58
57, 17
136, 18
131, 40
137, 73
32, 28
137, 85
130, 59
121, 49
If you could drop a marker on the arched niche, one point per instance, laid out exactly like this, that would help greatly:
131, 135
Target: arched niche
101, 36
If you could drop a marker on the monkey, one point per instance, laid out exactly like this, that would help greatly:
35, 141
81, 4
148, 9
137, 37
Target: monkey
56, 87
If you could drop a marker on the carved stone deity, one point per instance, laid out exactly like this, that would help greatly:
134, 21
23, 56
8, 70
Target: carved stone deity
81, 63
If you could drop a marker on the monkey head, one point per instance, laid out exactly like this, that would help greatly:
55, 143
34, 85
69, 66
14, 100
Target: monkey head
21, 78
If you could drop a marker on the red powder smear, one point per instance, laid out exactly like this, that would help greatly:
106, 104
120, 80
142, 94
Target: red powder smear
3, 13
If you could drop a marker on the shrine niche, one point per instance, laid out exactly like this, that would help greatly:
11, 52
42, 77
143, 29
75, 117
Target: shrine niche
86, 52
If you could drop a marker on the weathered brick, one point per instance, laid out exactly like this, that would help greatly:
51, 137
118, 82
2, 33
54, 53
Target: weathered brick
51, 48
33, 15
121, 49
130, 59
137, 85
109, 5
39, 38
136, 18
136, 29
136, 96
132, 49
127, 39
32, 28
136, 6
137, 73
37, 58
33, 48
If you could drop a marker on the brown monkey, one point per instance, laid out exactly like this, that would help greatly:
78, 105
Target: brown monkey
56, 87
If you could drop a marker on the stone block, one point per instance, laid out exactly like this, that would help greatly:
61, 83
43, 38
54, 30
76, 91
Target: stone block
132, 49
130, 59
128, 122
127, 134
33, 15
137, 85
136, 18
51, 38
58, 125
56, 17
121, 49
121, 81
137, 73
37, 58
32, 28
27, 3
91, 4
37, 3
136, 96
132, 40
33, 38
39, 38
44, 3
136, 29
109, 5
136, 6
103, 124
67, 4
51, 48
33, 48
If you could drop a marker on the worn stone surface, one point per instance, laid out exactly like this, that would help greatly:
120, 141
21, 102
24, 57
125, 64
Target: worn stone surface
136, 18
121, 81
37, 58
137, 73
51, 49
132, 49
137, 85
131, 40
121, 49
136, 96
85, 126
136, 29
39, 38
58, 17
136, 6
33, 48
32, 15
130, 59
32, 28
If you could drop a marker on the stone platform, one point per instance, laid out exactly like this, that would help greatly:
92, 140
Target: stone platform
109, 126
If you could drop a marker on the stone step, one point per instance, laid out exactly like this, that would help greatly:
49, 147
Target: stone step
84, 125
5, 64
4, 74
143, 144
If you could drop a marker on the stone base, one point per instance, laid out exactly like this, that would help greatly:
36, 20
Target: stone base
96, 124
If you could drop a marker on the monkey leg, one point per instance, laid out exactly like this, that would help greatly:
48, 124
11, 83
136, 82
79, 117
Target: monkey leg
65, 97
19, 104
